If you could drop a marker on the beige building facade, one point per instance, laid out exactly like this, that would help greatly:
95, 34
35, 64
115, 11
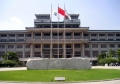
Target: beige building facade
65, 39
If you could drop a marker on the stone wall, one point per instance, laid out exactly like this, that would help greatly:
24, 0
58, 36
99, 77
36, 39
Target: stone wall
58, 63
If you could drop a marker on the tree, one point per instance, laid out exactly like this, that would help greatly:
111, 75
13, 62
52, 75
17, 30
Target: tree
101, 56
111, 53
11, 56
118, 54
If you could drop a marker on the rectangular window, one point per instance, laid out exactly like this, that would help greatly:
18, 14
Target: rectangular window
10, 46
117, 34
77, 34
19, 46
20, 39
20, 35
37, 46
11, 39
93, 34
37, 34
1, 54
77, 45
19, 54
103, 45
94, 45
86, 45
12, 35
46, 45
87, 53
2, 46
118, 45
37, 54
101, 34
3, 35
95, 53
68, 45
110, 34
28, 35
27, 45
3, 39
112, 45
85, 35
27, 54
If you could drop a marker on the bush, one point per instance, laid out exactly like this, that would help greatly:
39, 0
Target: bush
108, 61
9, 63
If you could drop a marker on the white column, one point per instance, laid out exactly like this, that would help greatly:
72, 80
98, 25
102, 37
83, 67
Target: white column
83, 53
73, 50
31, 50
82, 34
90, 45
41, 51
32, 35
23, 50
115, 36
99, 48
64, 50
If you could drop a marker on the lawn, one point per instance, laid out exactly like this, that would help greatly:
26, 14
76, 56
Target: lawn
48, 75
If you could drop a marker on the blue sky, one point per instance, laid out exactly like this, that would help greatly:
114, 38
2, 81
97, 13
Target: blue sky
96, 14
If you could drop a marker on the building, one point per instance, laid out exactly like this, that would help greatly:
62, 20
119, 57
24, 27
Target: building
65, 39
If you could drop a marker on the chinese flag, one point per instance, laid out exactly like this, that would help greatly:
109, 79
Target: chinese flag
61, 11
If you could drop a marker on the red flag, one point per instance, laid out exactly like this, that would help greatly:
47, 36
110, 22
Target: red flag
61, 11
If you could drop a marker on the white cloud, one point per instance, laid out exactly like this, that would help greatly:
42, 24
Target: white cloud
13, 23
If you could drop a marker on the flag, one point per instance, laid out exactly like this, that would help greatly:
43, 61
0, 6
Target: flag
67, 15
55, 13
61, 11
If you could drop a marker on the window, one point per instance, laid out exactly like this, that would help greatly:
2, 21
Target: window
46, 34
110, 34
3, 39
111, 45
20, 35
2, 46
101, 34
103, 45
76, 34
11, 39
56, 45
20, 39
19, 46
117, 39
117, 34
86, 35
37, 34
102, 39
27, 45
110, 39
93, 34
95, 53
10, 46
46, 45
68, 45
3, 35
77, 45
28, 35
19, 54
86, 45
68, 34
12, 35
94, 45
27, 54
37, 46
87, 53
118, 45
37, 54
1, 54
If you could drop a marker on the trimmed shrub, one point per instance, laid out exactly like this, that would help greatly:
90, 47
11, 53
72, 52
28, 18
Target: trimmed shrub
9, 63
108, 61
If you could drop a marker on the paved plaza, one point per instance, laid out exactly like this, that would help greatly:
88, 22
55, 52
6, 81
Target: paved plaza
97, 82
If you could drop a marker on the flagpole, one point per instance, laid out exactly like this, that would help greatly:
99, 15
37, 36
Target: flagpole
58, 33
51, 34
65, 35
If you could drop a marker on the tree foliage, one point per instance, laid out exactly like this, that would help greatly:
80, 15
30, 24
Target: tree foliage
118, 54
11, 56
9, 63
108, 61
101, 56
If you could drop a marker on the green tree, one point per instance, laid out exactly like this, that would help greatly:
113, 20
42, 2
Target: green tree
111, 53
101, 56
11, 56
9, 63
118, 54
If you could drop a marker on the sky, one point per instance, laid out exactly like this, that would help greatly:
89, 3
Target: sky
95, 14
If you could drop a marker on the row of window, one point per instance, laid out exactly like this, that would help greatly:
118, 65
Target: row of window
10, 46
54, 34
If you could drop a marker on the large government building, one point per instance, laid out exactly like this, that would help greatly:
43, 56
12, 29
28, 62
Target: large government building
65, 39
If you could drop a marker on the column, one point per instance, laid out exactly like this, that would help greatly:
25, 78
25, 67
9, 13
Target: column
41, 51
83, 50
99, 48
115, 36
23, 50
41, 35
90, 45
32, 35
7, 39
6, 46
14, 47
31, 50
50, 50
24, 37
73, 35
107, 47
98, 37
15, 37
82, 34
73, 50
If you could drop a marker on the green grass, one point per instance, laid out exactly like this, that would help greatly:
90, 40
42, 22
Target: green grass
48, 75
